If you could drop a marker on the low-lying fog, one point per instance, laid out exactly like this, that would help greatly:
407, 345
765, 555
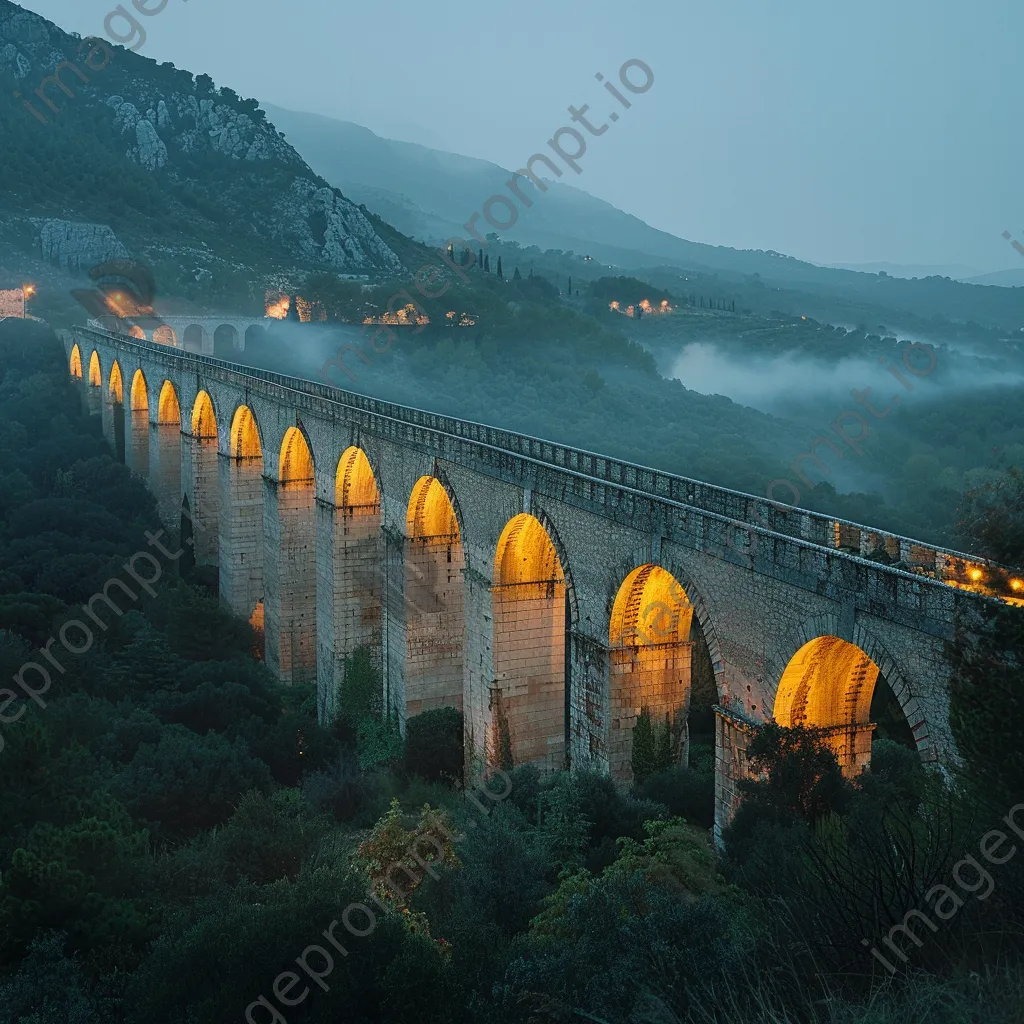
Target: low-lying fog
774, 383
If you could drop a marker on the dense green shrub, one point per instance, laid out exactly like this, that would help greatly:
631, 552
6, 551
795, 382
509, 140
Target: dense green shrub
434, 745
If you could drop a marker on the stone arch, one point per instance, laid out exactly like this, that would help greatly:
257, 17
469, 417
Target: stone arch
137, 332
241, 520
75, 362
253, 333
433, 593
650, 664
164, 335
115, 383
829, 681
245, 439
531, 608
204, 482
168, 407
289, 574
140, 392
165, 456
194, 338
204, 417
352, 598
137, 426
95, 374
225, 341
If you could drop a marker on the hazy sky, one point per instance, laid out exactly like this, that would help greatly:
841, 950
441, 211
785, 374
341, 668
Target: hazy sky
854, 132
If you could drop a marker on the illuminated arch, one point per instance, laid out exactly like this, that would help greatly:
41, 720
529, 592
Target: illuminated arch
651, 651
245, 435
430, 513
116, 384
204, 419
76, 362
434, 616
526, 555
828, 684
295, 464
528, 713
168, 409
137, 332
95, 376
140, 393
355, 485
164, 335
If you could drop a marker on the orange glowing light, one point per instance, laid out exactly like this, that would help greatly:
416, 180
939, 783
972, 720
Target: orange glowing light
400, 317
430, 512
245, 436
975, 574
1016, 584
614, 306
204, 420
277, 309
76, 362
296, 460
116, 386
526, 555
29, 290
95, 377
354, 484
140, 393
168, 409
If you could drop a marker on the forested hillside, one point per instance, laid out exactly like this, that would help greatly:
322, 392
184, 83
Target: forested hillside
182, 841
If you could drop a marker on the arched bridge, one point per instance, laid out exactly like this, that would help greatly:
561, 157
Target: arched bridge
552, 595
209, 335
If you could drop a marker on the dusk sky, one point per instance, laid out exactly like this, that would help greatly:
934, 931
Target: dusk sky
836, 133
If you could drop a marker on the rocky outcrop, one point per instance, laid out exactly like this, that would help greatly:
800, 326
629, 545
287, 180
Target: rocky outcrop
175, 127
75, 247
327, 227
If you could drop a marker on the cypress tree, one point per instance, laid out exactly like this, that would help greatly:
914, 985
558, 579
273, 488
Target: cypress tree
501, 276
487, 264
643, 747
517, 276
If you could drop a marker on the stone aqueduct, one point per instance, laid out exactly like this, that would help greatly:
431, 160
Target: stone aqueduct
548, 593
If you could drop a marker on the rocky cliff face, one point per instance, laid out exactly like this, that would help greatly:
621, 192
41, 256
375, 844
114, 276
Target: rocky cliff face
185, 135
77, 247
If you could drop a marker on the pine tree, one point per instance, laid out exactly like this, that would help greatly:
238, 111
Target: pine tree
487, 264
643, 747
570, 287
480, 259
501, 276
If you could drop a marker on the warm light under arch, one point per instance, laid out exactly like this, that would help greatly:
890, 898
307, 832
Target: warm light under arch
355, 485
76, 362
204, 419
295, 464
95, 377
526, 554
140, 393
137, 332
116, 383
430, 512
651, 608
245, 435
168, 409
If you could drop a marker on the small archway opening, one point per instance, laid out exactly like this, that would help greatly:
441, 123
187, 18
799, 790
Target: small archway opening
254, 333
95, 376
205, 482
650, 672
435, 624
165, 456
194, 338
241, 518
164, 335
137, 426
290, 569
137, 332
358, 556
529, 718
830, 684
75, 362
225, 341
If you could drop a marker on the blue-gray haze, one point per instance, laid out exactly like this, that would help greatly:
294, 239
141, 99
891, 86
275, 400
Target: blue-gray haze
884, 130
